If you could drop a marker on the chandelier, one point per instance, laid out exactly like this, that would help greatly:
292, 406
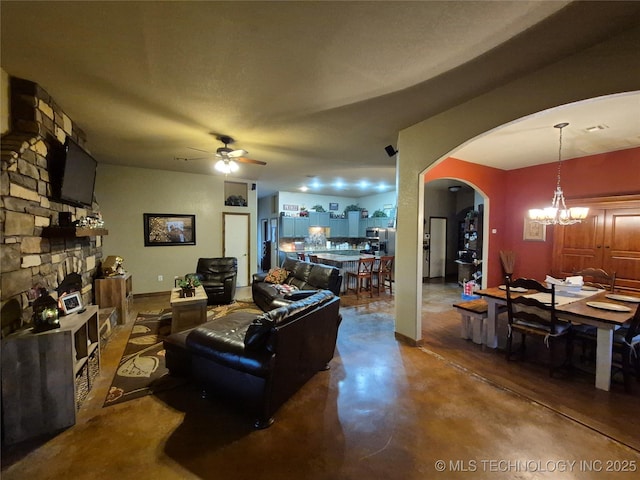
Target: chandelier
558, 213
226, 166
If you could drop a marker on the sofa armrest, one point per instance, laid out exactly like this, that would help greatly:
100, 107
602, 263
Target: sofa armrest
299, 294
259, 277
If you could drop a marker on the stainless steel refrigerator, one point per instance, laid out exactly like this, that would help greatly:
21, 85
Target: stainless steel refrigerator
390, 241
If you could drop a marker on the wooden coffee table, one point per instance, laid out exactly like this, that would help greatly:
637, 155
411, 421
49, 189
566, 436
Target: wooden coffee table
188, 312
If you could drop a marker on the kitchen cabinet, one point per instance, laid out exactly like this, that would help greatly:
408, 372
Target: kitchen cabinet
286, 227
294, 227
353, 229
607, 239
319, 219
338, 227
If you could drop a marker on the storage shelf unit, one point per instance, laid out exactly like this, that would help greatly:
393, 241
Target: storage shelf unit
47, 375
116, 291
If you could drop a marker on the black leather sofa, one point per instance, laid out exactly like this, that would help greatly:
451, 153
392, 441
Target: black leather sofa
259, 361
305, 276
218, 277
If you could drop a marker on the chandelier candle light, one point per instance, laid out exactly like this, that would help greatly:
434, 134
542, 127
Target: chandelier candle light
558, 213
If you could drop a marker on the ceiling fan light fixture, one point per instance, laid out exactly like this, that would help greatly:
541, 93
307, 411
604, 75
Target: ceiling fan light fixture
226, 166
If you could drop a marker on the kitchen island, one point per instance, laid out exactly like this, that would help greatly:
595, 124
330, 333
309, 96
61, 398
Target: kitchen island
342, 262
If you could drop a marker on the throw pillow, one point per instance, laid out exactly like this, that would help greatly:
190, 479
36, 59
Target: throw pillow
276, 275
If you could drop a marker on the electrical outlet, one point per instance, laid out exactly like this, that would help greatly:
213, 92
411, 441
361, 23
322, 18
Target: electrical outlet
160, 278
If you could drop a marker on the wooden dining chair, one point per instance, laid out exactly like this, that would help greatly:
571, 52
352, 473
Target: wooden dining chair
383, 273
313, 258
584, 334
362, 277
597, 277
530, 316
625, 349
301, 256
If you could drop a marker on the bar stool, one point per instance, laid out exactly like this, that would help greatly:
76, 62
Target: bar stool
361, 277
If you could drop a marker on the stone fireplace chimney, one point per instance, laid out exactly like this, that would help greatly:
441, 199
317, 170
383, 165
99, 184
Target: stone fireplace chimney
27, 260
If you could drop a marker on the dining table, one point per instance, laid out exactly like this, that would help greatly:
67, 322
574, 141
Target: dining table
606, 313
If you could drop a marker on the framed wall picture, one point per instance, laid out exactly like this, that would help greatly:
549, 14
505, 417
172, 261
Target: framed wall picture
167, 229
333, 206
534, 231
71, 302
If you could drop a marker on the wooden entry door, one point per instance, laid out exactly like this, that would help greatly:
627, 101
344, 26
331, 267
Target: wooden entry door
236, 243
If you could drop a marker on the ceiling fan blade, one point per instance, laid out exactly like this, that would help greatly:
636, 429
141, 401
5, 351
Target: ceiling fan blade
236, 153
198, 150
249, 160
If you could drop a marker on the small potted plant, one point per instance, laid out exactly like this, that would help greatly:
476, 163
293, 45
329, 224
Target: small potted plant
188, 286
318, 208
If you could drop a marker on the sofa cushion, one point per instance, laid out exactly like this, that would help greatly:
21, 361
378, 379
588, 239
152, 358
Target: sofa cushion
276, 275
222, 340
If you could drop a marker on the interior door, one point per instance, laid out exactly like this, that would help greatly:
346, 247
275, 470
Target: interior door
438, 247
621, 246
236, 243
578, 246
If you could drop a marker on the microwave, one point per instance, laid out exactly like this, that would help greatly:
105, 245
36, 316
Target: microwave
372, 232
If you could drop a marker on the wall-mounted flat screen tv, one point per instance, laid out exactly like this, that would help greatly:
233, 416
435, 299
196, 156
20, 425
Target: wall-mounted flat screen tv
73, 174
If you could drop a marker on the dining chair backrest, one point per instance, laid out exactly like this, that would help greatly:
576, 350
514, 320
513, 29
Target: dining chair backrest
313, 258
523, 309
365, 265
634, 329
597, 277
386, 264
301, 256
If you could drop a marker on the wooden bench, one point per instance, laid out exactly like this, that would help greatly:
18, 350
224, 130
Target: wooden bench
472, 316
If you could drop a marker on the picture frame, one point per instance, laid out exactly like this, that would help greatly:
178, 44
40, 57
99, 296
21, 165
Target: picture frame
534, 231
169, 229
71, 302
333, 206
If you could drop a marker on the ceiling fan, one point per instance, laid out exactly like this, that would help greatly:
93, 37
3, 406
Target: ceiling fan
227, 157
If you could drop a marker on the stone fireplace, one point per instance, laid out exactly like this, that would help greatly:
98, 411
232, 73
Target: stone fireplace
29, 261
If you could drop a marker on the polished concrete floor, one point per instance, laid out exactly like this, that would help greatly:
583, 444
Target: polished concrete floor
384, 410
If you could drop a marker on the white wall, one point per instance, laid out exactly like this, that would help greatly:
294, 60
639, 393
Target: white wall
126, 193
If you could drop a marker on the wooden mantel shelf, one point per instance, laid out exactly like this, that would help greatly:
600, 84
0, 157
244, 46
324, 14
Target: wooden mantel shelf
71, 232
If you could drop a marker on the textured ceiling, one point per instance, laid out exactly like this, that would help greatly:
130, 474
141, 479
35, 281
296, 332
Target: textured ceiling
315, 89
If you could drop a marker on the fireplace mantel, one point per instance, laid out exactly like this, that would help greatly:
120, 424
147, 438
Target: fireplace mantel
73, 232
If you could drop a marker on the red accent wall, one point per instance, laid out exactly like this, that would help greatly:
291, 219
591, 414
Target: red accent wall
510, 194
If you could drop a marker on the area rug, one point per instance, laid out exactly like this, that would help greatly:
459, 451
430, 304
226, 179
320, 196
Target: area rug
142, 369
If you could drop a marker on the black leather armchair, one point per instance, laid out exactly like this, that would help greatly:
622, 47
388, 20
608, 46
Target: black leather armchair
218, 277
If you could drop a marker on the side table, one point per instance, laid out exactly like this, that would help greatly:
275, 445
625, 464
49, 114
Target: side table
188, 312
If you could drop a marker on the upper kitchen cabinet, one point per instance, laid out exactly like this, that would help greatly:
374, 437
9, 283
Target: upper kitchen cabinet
294, 227
338, 227
319, 219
